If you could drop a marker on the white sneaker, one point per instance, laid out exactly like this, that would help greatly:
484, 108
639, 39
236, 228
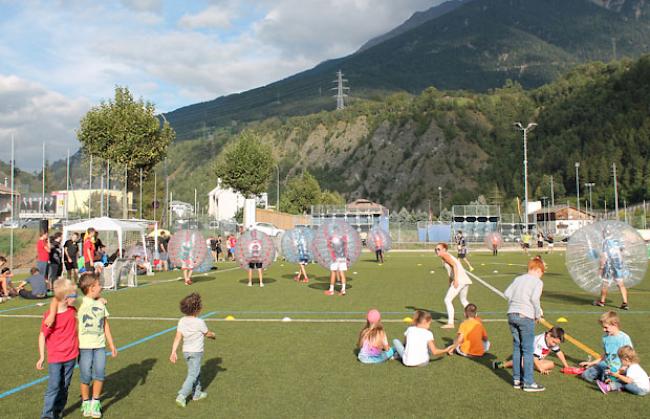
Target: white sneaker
250, 284
261, 285
202, 395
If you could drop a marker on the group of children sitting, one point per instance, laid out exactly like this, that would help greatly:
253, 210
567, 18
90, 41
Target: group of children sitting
617, 369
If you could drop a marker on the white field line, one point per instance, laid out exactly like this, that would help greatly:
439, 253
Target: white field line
266, 320
488, 286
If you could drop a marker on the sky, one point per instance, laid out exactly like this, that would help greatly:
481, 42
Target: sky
58, 58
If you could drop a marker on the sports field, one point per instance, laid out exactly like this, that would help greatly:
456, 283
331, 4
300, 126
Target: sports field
262, 367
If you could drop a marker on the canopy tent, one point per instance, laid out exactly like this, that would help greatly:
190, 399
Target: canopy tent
105, 224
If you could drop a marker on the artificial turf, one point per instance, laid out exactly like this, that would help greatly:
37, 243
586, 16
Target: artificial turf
276, 369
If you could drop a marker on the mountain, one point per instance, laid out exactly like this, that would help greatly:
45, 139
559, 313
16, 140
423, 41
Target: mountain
417, 19
477, 46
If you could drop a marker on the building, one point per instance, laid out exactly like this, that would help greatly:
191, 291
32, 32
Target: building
224, 203
78, 200
562, 220
5, 203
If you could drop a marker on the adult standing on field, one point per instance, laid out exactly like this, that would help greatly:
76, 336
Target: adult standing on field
43, 255
524, 310
70, 256
459, 282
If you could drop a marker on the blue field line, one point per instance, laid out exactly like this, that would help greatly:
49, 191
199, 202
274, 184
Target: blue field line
120, 349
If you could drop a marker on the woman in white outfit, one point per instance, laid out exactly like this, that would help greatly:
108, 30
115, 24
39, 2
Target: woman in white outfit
459, 282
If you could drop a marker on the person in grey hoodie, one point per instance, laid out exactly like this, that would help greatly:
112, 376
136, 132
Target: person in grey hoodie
524, 310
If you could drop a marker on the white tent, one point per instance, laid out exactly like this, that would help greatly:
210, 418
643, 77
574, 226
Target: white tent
104, 224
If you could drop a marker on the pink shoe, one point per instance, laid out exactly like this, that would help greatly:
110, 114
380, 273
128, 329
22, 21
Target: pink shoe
329, 292
604, 387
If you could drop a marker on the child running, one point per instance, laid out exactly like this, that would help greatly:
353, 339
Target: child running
192, 330
471, 339
373, 342
62, 348
419, 342
613, 340
94, 334
631, 377
545, 343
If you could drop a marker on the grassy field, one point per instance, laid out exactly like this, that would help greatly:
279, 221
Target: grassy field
261, 367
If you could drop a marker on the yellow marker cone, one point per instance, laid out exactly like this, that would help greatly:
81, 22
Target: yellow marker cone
230, 317
407, 320
562, 320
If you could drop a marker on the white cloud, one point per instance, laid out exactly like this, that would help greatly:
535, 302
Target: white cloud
212, 17
172, 53
35, 115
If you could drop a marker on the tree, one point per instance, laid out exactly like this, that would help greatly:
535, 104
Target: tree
125, 132
302, 191
247, 165
331, 198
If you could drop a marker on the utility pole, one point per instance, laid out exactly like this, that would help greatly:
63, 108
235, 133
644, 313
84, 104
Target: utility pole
578, 189
525, 130
615, 192
591, 203
340, 90
552, 194
439, 202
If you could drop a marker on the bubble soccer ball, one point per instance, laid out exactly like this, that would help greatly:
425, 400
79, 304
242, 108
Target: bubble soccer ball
254, 247
379, 239
336, 241
493, 238
138, 250
604, 252
207, 264
297, 245
187, 248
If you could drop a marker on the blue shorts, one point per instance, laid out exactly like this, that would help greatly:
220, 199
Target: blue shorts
92, 365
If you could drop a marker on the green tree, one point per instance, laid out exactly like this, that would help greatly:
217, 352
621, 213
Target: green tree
247, 165
302, 191
331, 198
125, 132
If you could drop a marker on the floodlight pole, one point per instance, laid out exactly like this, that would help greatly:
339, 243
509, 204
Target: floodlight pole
277, 198
615, 192
521, 128
13, 203
439, 202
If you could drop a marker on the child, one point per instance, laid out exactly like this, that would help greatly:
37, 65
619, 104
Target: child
471, 339
94, 334
612, 267
545, 343
338, 267
463, 250
62, 348
419, 342
635, 380
255, 262
613, 340
192, 330
373, 343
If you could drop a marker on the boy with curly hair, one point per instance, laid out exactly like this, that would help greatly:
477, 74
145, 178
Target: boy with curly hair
192, 330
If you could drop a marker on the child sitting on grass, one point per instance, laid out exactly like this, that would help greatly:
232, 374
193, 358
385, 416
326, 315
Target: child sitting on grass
471, 339
544, 344
373, 343
94, 334
192, 330
419, 342
613, 340
62, 348
634, 380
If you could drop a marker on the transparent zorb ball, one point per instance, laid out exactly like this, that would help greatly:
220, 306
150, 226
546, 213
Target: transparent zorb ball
187, 248
254, 247
336, 241
297, 245
379, 239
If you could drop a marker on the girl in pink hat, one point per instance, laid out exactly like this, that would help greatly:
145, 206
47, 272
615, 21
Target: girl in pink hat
373, 342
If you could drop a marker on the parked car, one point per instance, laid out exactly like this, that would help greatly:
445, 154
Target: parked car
268, 228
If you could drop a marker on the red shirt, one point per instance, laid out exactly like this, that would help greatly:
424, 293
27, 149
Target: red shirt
42, 254
89, 247
61, 339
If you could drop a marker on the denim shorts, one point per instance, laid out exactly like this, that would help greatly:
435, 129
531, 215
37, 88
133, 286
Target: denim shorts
92, 365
